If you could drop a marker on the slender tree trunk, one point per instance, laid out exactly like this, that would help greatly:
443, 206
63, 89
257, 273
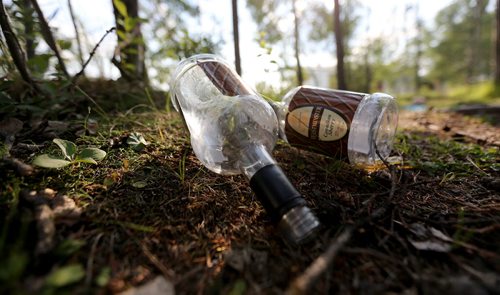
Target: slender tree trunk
368, 71
300, 77
418, 49
48, 37
236, 36
131, 47
341, 82
475, 36
497, 46
77, 34
28, 29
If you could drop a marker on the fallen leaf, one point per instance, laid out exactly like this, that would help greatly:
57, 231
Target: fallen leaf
137, 141
430, 239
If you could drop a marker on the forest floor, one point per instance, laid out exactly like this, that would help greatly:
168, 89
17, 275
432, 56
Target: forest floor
152, 219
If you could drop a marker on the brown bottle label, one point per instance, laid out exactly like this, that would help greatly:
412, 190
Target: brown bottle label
225, 79
319, 119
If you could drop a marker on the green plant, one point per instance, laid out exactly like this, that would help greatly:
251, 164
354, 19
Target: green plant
70, 155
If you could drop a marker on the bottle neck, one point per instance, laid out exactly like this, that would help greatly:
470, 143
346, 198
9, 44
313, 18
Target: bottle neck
253, 158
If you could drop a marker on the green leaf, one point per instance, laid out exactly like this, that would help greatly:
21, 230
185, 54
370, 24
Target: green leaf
65, 275
130, 24
121, 34
64, 44
137, 141
120, 6
103, 277
48, 161
91, 153
67, 147
85, 160
68, 247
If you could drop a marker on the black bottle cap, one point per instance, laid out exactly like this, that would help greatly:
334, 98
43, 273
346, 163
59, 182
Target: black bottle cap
284, 204
275, 192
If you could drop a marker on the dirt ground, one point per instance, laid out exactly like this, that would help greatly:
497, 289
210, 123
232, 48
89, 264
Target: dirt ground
156, 221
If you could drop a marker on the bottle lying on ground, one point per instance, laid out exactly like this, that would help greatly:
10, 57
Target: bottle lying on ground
341, 124
232, 131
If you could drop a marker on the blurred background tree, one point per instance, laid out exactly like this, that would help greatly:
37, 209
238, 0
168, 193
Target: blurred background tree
303, 42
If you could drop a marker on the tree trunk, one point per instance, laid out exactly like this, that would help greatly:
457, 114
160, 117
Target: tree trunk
418, 50
236, 36
368, 71
341, 82
130, 47
300, 78
17, 53
77, 34
497, 45
28, 29
475, 37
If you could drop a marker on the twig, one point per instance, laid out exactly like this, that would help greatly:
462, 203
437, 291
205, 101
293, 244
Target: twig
48, 37
167, 273
98, 107
17, 53
75, 78
301, 284
90, 261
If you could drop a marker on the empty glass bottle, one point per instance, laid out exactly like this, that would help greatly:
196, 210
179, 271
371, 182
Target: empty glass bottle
232, 131
337, 123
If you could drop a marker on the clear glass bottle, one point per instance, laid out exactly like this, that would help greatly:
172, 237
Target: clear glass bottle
342, 124
232, 131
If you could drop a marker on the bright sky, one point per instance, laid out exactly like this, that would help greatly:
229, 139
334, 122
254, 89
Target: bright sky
386, 18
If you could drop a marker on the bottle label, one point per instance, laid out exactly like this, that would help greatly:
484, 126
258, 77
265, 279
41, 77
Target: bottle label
319, 119
317, 123
225, 79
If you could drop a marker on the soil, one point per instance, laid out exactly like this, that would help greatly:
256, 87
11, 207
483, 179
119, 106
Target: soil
429, 224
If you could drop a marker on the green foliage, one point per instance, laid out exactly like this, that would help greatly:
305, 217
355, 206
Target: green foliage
70, 155
169, 37
463, 38
447, 158
65, 275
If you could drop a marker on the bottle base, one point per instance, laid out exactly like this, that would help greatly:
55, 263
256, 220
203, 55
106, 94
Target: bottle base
372, 130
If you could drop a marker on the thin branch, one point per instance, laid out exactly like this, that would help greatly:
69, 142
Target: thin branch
77, 34
75, 78
48, 37
17, 53
301, 284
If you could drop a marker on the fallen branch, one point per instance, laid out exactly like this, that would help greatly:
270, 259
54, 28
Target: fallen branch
48, 37
301, 284
75, 78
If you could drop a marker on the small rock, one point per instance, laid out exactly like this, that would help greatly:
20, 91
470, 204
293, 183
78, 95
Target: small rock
10, 127
19, 166
45, 228
158, 286
65, 210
